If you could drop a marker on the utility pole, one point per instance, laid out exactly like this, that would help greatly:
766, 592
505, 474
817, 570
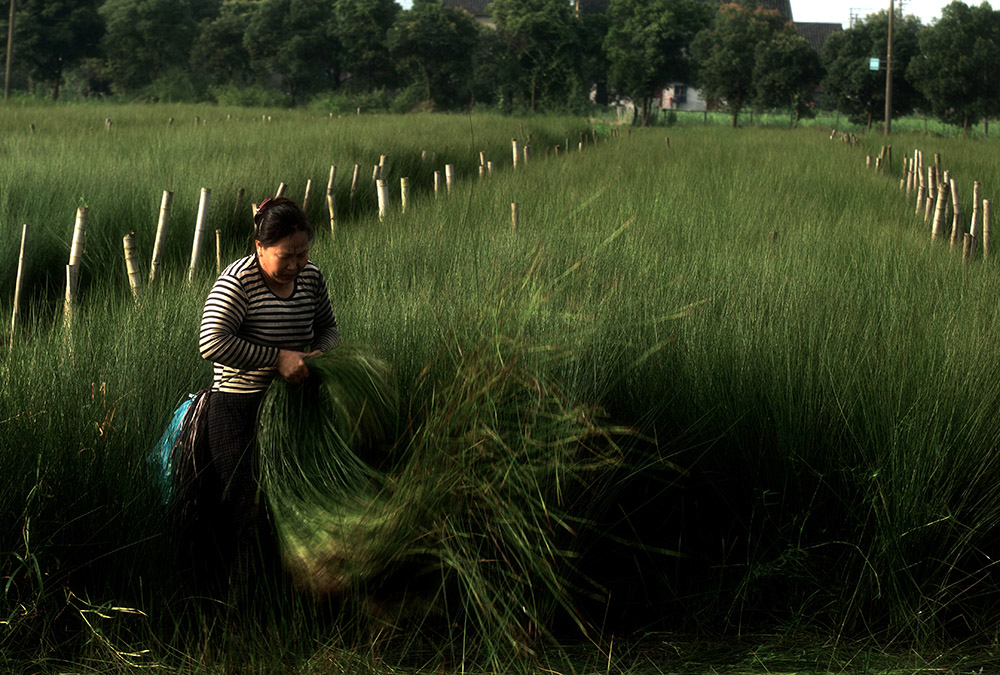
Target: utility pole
888, 73
10, 52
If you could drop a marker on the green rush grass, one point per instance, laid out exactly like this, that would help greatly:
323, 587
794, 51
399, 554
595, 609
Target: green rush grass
773, 394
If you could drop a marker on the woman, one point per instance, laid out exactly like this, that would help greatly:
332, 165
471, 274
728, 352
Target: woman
266, 314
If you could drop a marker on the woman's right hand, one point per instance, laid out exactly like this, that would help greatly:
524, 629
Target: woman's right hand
292, 366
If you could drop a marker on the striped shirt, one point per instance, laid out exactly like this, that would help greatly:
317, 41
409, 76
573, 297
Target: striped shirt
244, 324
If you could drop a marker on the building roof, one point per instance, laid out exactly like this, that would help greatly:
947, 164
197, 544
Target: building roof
816, 34
783, 7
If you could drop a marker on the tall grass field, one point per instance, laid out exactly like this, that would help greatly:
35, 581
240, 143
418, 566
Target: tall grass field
714, 382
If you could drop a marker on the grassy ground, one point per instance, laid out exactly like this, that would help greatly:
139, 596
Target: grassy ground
806, 380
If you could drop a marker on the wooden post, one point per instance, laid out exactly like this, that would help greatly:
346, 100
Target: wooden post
482, 158
921, 190
956, 224
376, 173
354, 180
71, 278
929, 209
423, 156
976, 197
449, 175
404, 193
18, 284
937, 163
382, 163
514, 215
968, 247
489, 167
482, 171
987, 228
932, 182
161, 234
383, 198
218, 252
437, 183
305, 199
331, 207
527, 153
132, 264
282, 188
515, 151
199, 228
332, 179
75, 256
940, 211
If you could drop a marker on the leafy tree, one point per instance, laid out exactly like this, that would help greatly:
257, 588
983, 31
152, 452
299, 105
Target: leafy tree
293, 39
438, 44
958, 64
144, 38
539, 38
53, 36
728, 53
647, 45
858, 91
361, 27
218, 51
786, 72
594, 64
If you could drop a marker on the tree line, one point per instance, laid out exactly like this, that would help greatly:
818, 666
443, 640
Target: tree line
540, 55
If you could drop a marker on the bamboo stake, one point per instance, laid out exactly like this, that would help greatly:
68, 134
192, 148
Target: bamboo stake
929, 210
956, 224
932, 182
18, 284
218, 252
132, 264
354, 180
968, 247
282, 188
987, 228
940, 211
482, 171
383, 198
71, 277
332, 179
976, 197
514, 215
489, 167
437, 183
376, 173
75, 256
199, 228
449, 175
305, 199
921, 191
527, 153
404, 193
482, 158
161, 234
331, 207
515, 150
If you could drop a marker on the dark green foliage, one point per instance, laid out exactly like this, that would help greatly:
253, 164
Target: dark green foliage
360, 28
958, 62
858, 91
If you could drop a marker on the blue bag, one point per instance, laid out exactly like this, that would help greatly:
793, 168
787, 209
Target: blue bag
162, 456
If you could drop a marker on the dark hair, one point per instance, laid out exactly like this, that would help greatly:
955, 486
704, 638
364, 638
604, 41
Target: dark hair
278, 218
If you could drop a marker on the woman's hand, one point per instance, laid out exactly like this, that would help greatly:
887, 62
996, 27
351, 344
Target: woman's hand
292, 365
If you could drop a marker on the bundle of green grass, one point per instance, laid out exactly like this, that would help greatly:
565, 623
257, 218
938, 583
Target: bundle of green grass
483, 493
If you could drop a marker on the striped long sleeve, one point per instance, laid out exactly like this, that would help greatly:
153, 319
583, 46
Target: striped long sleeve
244, 324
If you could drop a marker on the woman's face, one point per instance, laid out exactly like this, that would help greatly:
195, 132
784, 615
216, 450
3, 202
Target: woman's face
282, 261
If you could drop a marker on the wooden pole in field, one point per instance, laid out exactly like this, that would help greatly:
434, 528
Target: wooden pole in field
515, 151
449, 176
940, 211
376, 173
977, 189
482, 158
132, 264
75, 256
956, 224
921, 189
527, 153
71, 277
331, 207
937, 163
383, 198
18, 284
218, 252
968, 247
332, 179
489, 167
305, 199
354, 180
282, 188
161, 234
199, 228
331, 198
437, 183
514, 215
404, 193
987, 228
932, 182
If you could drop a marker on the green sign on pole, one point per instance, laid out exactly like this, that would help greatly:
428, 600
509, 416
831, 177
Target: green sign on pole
873, 63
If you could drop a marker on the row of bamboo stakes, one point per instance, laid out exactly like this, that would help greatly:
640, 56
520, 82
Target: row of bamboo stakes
520, 154
937, 199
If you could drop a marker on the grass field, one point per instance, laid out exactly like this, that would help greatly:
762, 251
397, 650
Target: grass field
801, 383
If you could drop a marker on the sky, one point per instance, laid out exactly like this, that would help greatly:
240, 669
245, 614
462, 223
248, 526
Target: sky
839, 11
